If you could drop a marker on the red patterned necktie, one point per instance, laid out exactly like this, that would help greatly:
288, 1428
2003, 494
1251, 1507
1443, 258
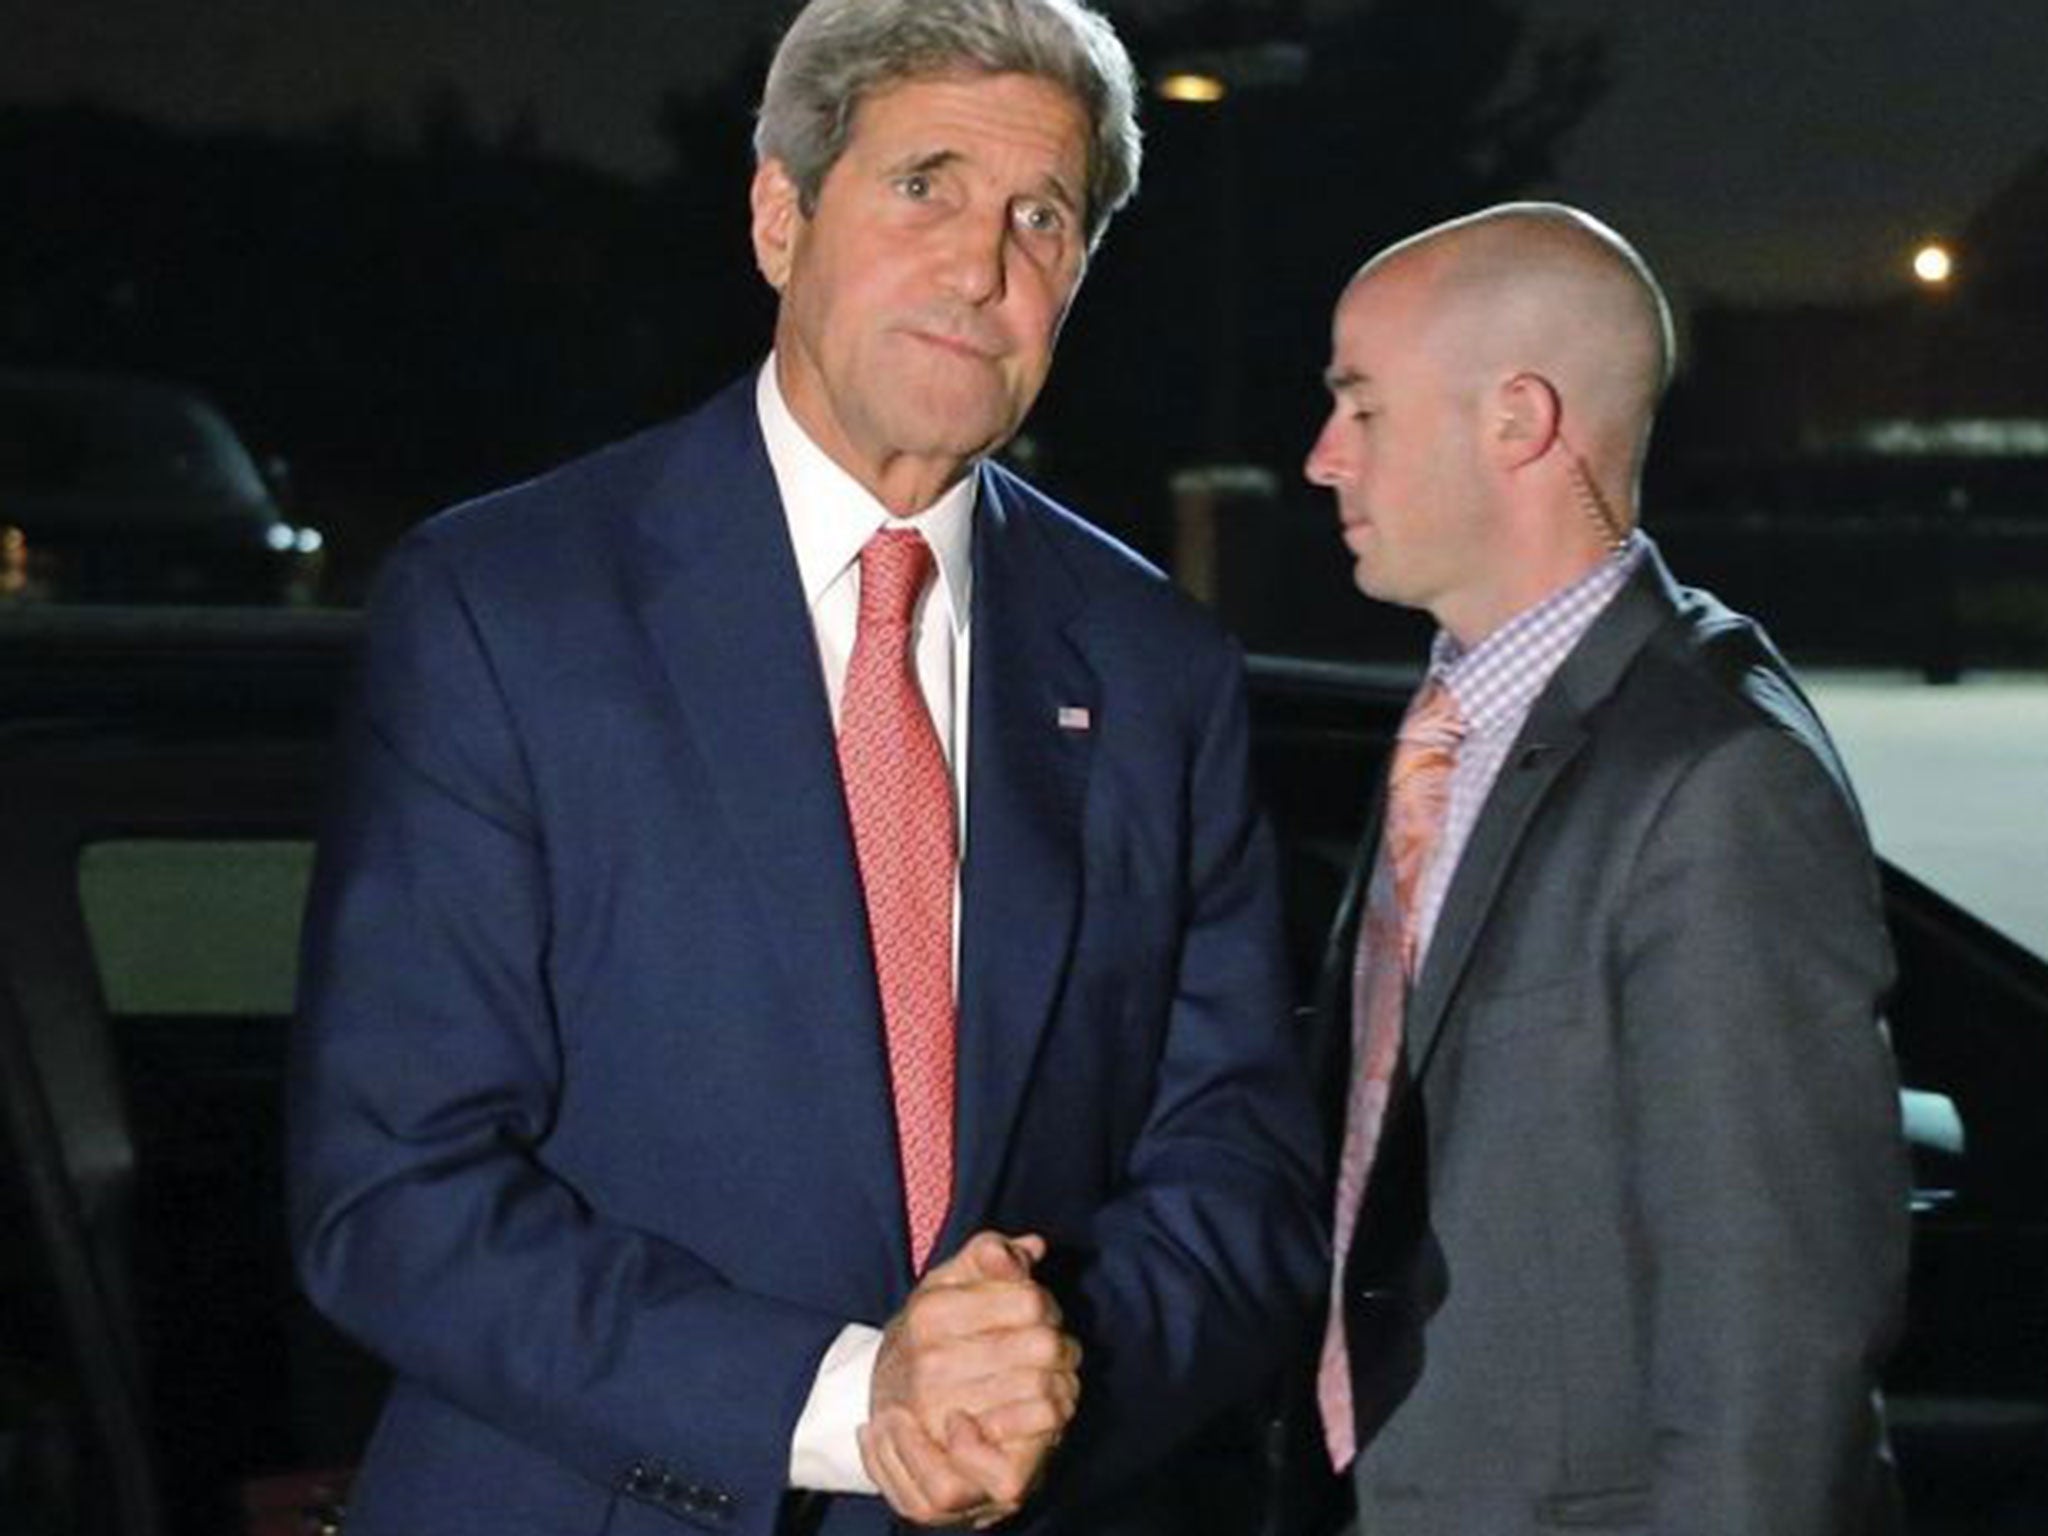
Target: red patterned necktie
1418, 793
899, 795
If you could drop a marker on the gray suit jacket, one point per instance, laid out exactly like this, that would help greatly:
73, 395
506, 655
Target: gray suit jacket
1635, 1244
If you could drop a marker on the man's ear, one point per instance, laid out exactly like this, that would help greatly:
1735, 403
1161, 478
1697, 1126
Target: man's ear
777, 220
1526, 417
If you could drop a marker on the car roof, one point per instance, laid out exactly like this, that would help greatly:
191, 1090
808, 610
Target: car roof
278, 669
108, 448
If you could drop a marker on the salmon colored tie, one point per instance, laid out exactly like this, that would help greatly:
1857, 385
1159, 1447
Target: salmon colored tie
899, 795
1418, 794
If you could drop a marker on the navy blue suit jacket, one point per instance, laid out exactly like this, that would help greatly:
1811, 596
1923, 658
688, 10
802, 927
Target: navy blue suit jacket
591, 1134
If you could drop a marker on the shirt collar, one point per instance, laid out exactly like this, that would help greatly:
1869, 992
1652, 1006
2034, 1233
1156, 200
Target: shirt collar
1497, 680
832, 515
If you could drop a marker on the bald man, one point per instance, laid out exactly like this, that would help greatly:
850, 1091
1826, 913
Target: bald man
1621, 1225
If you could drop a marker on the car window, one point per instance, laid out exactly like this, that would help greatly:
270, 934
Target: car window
78, 440
195, 927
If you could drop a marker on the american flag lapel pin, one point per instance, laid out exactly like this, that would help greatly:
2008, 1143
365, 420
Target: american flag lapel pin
1074, 717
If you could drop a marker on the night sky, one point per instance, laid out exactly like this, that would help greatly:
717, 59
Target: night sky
1788, 149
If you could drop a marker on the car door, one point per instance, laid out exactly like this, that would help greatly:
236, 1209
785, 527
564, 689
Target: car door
159, 786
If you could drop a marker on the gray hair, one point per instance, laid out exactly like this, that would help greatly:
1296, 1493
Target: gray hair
837, 52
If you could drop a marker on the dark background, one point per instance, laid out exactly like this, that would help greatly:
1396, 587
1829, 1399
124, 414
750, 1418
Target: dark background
419, 249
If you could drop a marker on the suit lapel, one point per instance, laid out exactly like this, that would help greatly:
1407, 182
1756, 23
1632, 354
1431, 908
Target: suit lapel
1550, 739
1026, 783
723, 604
1553, 735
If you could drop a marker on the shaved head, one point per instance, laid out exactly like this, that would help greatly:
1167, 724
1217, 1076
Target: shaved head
1546, 289
1492, 384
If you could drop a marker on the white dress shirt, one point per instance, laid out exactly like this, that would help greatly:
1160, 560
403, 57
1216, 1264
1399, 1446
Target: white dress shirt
831, 516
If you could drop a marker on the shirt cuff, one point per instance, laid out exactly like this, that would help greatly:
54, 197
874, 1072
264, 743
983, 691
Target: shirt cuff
824, 1456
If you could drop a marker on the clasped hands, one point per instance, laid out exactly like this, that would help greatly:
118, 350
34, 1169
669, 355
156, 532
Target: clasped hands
974, 1383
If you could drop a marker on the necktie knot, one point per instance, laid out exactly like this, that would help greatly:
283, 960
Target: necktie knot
894, 566
1418, 797
1433, 721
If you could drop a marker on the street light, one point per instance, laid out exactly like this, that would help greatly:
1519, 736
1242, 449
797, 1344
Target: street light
1209, 74
1934, 264
1193, 88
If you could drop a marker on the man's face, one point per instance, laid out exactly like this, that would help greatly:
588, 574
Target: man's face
1401, 449
922, 296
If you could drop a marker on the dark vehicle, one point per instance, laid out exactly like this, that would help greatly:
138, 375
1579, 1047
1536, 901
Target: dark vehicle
117, 489
160, 1375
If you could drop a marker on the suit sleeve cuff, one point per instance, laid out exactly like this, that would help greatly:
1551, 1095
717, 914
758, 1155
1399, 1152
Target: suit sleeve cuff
824, 1456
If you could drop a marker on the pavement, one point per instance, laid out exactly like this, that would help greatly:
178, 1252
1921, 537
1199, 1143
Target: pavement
1954, 780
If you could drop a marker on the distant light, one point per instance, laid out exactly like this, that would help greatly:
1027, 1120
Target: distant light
1933, 264
1191, 87
286, 539
1961, 438
14, 562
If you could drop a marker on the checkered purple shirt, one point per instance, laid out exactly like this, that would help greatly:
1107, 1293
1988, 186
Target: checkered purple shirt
1495, 683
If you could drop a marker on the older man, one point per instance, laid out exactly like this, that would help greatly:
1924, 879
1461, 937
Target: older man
1621, 1214
793, 1002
